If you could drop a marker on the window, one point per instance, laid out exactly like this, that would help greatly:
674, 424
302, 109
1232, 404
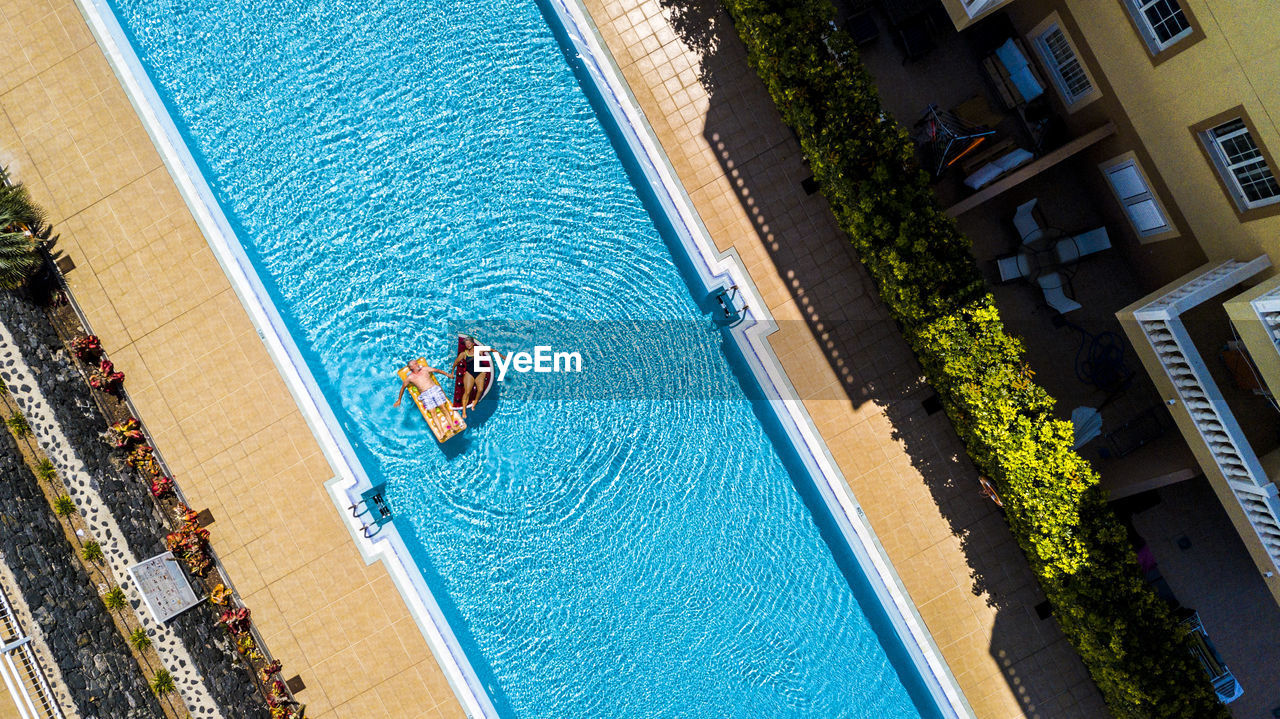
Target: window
1242, 164
1160, 22
1060, 58
1132, 189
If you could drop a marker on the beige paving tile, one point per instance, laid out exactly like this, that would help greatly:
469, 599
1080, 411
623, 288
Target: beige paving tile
228, 426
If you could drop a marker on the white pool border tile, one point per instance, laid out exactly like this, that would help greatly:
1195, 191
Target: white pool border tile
389, 548
722, 269
714, 269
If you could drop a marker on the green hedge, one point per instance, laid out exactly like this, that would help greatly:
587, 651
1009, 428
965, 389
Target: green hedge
864, 163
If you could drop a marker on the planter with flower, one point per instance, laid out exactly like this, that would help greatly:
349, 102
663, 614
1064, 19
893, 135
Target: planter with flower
143, 459
278, 700
87, 349
220, 595
161, 487
236, 620
105, 377
125, 434
270, 671
189, 543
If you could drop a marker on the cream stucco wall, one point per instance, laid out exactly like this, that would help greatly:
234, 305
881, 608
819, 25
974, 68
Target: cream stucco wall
1236, 63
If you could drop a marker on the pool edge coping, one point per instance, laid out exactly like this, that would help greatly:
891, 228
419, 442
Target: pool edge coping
767, 369
229, 252
750, 336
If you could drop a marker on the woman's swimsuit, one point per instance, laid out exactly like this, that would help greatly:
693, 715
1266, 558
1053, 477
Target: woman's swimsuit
468, 365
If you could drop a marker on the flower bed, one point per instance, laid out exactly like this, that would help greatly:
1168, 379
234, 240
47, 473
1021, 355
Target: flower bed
863, 161
188, 541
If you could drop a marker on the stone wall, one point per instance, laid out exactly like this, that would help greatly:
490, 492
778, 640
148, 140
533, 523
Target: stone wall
127, 498
96, 665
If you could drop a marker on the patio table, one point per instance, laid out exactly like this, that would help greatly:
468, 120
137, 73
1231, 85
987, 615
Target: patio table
1036, 254
901, 12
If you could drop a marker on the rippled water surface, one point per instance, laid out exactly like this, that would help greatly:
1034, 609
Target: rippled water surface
397, 168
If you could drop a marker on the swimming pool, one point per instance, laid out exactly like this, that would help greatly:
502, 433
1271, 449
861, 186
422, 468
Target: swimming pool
397, 171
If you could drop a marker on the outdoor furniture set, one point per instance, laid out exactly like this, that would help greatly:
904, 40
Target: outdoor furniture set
1047, 257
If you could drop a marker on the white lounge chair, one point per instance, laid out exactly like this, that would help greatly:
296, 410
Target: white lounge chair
1012, 267
1095, 240
1051, 285
1088, 425
1070, 249
1026, 222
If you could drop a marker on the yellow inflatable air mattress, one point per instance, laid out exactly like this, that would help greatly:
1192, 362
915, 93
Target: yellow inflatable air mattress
452, 424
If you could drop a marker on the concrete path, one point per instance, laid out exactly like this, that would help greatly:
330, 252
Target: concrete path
239, 446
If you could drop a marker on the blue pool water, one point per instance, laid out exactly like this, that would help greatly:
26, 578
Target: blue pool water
402, 169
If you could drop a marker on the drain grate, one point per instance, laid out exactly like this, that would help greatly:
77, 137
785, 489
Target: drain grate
1044, 610
931, 404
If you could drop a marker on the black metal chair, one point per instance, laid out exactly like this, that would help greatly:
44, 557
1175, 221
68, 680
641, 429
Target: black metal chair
915, 37
862, 26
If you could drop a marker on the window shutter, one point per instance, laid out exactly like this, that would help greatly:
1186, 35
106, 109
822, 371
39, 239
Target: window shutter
1134, 194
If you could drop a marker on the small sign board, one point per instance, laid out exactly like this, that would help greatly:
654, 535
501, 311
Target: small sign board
164, 587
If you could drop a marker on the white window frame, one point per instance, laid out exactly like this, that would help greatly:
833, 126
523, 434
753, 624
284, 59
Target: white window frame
1141, 193
1227, 169
1138, 11
1038, 39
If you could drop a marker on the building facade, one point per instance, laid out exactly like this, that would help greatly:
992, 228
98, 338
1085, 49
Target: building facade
1191, 89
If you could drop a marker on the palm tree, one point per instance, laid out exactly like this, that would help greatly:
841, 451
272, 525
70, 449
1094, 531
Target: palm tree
162, 683
91, 552
115, 599
140, 640
64, 506
22, 235
46, 471
15, 200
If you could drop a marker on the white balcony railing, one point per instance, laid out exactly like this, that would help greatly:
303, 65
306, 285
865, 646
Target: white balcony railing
1203, 402
1267, 307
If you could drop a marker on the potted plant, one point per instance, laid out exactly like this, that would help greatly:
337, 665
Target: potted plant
87, 348
105, 377
123, 434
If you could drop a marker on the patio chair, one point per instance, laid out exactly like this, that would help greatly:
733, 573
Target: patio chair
1095, 240
1202, 648
1012, 267
1087, 422
1026, 221
862, 26
1051, 285
1014, 76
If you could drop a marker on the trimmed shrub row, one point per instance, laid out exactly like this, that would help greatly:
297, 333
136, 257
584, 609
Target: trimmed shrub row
864, 163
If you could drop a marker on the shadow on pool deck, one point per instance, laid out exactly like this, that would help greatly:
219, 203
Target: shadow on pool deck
905, 464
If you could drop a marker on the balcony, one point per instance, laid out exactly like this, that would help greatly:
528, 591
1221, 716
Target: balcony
1156, 465
1255, 314
1236, 462
1138, 447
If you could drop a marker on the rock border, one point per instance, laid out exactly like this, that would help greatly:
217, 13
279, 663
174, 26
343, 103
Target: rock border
98, 675
117, 507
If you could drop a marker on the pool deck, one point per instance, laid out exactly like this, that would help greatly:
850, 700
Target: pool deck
203, 381
221, 414
743, 171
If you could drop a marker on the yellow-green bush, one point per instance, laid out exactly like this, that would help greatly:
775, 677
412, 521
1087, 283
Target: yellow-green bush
925, 272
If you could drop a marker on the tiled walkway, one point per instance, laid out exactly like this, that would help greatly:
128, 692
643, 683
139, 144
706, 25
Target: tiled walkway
239, 446
743, 170
170, 321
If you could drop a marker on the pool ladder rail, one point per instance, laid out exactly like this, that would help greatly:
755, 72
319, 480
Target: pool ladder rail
375, 505
727, 313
